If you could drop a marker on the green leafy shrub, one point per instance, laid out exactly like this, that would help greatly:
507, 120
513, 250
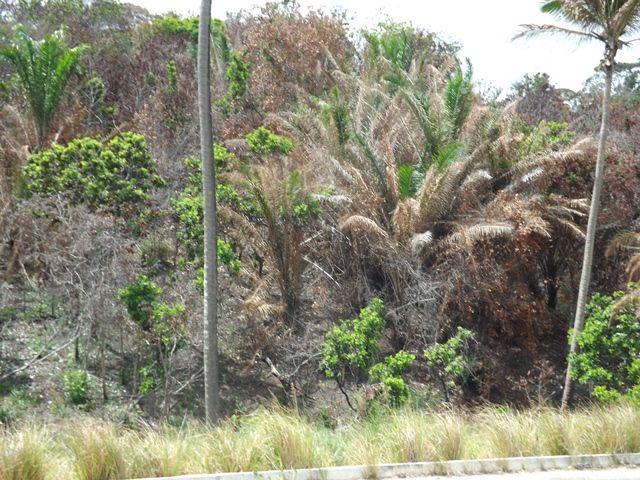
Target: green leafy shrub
263, 141
14, 405
237, 76
188, 209
114, 175
227, 257
449, 361
389, 374
141, 301
77, 387
544, 136
173, 25
172, 77
608, 357
162, 324
352, 346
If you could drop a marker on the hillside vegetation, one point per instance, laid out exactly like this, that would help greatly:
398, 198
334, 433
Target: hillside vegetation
389, 237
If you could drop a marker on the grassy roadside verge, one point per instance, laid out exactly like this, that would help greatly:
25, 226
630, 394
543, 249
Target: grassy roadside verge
93, 450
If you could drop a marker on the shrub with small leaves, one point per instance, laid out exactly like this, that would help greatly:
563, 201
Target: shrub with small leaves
263, 141
449, 361
117, 174
389, 374
141, 301
608, 356
237, 76
77, 387
188, 209
172, 77
162, 325
351, 346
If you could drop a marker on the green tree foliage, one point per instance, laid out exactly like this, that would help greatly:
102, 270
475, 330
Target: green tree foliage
351, 346
117, 175
236, 69
237, 76
449, 362
172, 77
389, 374
608, 358
188, 209
162, 325
174, 25
263, 141
544, 136
44, 69
141, 301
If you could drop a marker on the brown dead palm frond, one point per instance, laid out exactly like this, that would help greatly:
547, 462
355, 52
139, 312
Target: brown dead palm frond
439, 189
468, 236
258, 305
630, 302
403, 220
357, 227
627, 241
242, 227
536, 166
633, 269
571, 228
477, 177
421, 241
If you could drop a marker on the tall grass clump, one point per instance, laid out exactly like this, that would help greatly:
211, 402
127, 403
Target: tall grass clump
96, 450
275, 439
23, 455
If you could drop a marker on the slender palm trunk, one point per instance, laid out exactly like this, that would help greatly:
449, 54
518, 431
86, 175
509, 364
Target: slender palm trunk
212, 392
587, 264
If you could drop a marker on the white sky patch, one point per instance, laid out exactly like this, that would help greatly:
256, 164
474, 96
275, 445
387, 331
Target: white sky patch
483, 28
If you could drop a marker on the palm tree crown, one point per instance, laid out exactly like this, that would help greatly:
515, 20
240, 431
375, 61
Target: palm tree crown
44, 69
609, 21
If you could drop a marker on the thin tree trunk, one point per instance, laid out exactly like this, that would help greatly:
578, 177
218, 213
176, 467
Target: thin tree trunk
587, 264
212, 392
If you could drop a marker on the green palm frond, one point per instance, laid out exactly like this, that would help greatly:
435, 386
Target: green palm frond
605, 20
458, 98
406, 184
44, 68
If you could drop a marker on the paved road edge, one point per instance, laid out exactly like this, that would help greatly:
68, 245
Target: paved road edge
427, 469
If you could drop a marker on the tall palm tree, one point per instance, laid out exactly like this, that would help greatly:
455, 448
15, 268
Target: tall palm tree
44, 69
610, 22
212, 391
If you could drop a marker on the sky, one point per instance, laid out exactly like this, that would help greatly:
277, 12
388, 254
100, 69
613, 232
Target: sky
483, 28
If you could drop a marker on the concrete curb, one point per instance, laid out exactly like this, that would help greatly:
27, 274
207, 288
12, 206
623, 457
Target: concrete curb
430, 469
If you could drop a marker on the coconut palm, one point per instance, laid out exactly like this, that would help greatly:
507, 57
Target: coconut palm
212, 392
44, 69
610, 22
